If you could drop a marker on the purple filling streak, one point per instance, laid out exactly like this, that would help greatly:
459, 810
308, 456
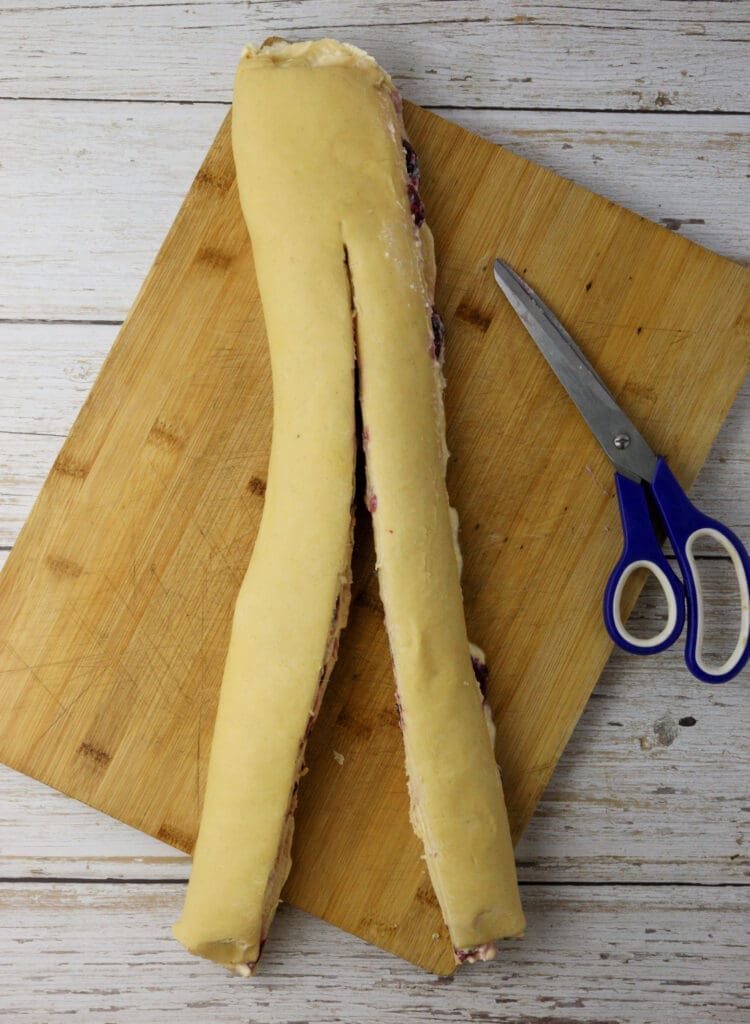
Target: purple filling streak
412, 169
438, 335
484, 952
251, 964
412, 163
482, 675
416, 206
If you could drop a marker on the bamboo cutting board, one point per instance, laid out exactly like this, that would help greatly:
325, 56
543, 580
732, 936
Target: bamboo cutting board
115, 603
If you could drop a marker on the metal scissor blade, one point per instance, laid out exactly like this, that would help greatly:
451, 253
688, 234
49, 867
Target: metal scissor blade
610, 426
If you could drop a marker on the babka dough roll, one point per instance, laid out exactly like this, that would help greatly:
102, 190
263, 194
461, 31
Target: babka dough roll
328, 187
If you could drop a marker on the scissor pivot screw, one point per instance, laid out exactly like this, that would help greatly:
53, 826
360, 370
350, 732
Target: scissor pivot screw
621, 441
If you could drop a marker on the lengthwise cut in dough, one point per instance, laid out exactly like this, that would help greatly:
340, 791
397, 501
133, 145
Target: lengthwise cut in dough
328, 188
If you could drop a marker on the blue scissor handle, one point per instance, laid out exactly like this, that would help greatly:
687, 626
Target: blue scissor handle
641, 549
685, 525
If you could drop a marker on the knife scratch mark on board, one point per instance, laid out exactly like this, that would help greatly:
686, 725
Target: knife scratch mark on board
34, 674
224, 558
66, 709
606, 491
609, 325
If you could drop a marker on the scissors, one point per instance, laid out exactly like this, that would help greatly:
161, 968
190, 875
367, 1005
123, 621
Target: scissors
646, 491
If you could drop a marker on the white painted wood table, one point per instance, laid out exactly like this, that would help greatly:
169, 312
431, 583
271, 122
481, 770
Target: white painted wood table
635, 867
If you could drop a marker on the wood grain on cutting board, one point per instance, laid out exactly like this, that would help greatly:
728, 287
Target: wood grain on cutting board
116, 602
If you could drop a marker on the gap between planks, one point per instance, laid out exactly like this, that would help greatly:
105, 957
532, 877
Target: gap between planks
437, 108
591, 954
562, 54
551, 883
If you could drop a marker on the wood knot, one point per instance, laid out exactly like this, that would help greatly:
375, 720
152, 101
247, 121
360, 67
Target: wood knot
425, 894
69, 466
353, 725
64, 566
256, 485
665, 730
220, 180
213, 257
466, 312
675, 223
164, 435
641, 390
100, 757
175, 837
389, 716
378, 927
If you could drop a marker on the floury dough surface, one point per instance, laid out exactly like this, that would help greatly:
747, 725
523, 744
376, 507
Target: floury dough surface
294, 597
329, 194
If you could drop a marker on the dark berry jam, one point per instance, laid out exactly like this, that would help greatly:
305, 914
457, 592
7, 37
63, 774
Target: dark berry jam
482, 674
416, 205
412, 164
438, 335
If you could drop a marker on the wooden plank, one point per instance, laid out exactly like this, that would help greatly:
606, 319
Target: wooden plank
47, 371
594, 955
646, 771
86, 198
686, 173
535, 53
128, 568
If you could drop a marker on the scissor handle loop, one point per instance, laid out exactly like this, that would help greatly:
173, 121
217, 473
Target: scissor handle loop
675, 621
641, 550
694, 650
686, 525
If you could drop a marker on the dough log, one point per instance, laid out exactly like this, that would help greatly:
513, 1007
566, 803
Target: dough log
329, 187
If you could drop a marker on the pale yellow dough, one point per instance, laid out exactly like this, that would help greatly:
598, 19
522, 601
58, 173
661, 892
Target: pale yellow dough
316, 131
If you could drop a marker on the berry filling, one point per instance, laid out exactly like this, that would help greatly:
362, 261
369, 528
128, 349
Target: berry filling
416, 206
438, 335
412, 163
470, 956
482, 675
